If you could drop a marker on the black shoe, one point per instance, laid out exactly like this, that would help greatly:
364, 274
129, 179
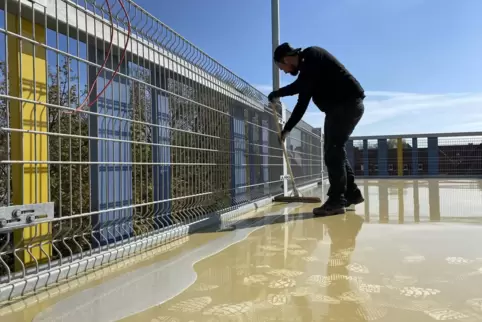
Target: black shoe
354, 198
330, 208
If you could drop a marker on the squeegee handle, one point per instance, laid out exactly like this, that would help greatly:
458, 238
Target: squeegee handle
275, 113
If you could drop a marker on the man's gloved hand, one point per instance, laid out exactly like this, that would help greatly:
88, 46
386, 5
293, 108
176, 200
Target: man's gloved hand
273, 96
282, 136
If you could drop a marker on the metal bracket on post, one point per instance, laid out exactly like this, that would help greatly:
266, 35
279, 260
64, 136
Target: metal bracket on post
20, 216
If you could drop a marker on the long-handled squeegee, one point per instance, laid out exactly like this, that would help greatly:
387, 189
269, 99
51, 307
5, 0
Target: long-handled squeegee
296, 196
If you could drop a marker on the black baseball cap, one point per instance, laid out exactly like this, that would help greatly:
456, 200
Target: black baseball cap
284, 50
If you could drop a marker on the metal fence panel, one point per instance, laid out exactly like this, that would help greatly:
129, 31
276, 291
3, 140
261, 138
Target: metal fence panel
173, 138
305, 153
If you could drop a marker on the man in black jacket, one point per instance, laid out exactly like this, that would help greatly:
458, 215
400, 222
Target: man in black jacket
336, 92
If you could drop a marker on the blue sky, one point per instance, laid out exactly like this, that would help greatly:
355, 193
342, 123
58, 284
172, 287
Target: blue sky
419, 60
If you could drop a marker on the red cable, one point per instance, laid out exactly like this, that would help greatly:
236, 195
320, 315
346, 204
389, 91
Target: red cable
107, 57
124, 51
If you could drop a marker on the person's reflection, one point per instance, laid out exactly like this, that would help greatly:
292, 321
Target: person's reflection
343, 231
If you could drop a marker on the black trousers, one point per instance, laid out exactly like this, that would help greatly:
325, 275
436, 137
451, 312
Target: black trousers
339, 125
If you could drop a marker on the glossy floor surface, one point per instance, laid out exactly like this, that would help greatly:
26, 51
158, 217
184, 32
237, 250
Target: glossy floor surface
411, 252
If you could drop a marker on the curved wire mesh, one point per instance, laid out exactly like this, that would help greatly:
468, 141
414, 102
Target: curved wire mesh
173, 138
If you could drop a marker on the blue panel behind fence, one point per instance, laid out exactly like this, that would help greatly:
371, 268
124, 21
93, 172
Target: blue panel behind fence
265, 152
253, 171
232, 161
365, 158
433, 156
239, 158
114, 181
238, 150
382, 157
414, 156
162, 154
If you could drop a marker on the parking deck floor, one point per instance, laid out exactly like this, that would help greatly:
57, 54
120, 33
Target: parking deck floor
411, 252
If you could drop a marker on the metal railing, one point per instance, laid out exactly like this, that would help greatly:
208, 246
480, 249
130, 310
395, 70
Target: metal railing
305, 152
423, 155
115, 129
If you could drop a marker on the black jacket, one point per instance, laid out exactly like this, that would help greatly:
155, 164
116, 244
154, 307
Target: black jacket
321, 78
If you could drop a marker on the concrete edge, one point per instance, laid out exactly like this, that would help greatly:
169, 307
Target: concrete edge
183, 264
32, 283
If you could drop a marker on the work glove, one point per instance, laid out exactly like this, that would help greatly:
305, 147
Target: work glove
282, 136
273, 96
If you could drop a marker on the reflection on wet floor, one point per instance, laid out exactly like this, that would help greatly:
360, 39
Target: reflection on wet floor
421, 200
335, 269
284, 265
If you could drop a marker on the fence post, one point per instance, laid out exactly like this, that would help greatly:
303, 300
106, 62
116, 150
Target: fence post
382, 157
28, 80
414, 156
366, 161
400, 157
433, 162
